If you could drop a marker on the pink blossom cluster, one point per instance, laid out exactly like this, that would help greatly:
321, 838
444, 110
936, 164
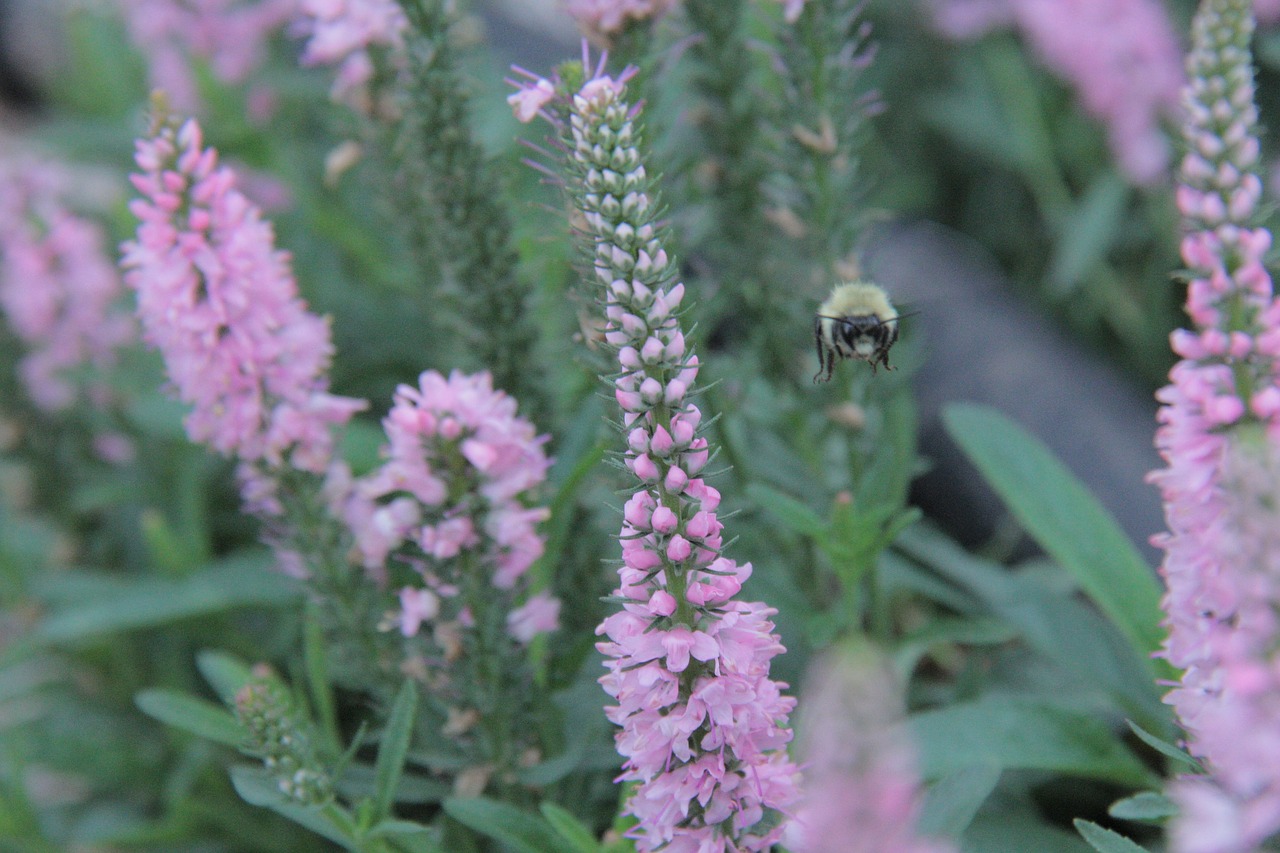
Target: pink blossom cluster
219, 302
603, 19
450, 500
1223, 406
231, 35
703, 727
341, 33
1122, 57
1268, 11
60, 292
862, 792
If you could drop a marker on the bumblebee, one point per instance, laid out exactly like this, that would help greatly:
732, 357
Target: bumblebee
857, 321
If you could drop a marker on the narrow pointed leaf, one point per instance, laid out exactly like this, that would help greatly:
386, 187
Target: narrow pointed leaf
578, 837
951, 803
192, 715
1056, 509
514, 827
1106, 841
393, 748
1145, 806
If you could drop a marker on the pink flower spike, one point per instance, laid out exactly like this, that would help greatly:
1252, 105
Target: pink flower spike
710, 767
1219, 435
859, 762
221, 305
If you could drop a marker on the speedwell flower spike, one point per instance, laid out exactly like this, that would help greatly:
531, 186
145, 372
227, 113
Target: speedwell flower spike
703, 727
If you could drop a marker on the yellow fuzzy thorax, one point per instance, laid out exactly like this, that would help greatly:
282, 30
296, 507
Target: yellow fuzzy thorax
857, 299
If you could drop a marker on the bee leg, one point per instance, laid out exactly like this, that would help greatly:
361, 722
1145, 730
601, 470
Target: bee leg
822, 354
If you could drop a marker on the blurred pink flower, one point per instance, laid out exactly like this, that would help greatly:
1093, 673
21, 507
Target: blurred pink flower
1268, 11
603, 19
861, 790
341, 33
539, 615
59, 289
220, 303
1121, 56
231, 35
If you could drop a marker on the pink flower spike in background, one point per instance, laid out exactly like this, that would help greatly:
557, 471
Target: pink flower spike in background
1219, 435
862, 792
342, 32
600, 20
1121, 56
230, 35
60, 291
219, 302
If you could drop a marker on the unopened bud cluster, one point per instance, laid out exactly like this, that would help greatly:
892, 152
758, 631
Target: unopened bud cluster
281, 740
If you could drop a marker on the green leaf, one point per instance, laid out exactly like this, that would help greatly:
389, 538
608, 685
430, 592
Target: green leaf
1087, 232
1020, 829
945, 631
393, 748
238, 581
359, 781
192, 715
1011, 734
316, 662
225, 672
792, 513
1104, 840
1055, 623
1147, 806
569, 828
257, 788
1064, 518
1164, 747
399, 829
951, 803
558, 529
525, 832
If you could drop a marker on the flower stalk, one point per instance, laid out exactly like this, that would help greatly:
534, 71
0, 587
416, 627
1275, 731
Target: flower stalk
1219, 425
703, 727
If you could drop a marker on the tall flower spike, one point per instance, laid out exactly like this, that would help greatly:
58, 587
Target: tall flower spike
703, 727
1222, 407
220, 303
